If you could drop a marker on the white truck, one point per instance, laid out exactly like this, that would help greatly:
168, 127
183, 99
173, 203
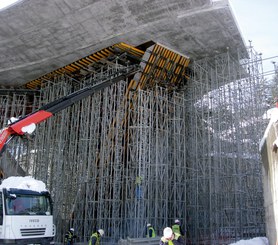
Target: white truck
25, 212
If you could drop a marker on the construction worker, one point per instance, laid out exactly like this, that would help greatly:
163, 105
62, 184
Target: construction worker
69, 237
176, 227
150, 231
170, 238
95, 237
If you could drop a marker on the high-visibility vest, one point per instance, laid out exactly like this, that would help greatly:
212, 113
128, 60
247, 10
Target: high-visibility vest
95, 234
171, 242
153, 232
68, 236
176, 229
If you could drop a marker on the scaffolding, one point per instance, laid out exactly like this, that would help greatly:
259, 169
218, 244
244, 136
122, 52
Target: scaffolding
148, 151
225, 108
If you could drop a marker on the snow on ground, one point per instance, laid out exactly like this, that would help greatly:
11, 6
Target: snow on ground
271, 114
26, 183
254, 241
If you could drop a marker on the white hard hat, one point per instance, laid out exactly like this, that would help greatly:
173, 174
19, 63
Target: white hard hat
101, 232
148, 225
177, 221
71, 229
167, 232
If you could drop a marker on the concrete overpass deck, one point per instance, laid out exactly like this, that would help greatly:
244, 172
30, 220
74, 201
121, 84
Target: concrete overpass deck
40, 36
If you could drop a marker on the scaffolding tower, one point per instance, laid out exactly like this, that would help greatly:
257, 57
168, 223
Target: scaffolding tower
160, 147
224, 111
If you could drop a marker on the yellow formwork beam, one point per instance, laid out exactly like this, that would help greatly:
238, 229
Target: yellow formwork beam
129, 49
163, 65
85, 62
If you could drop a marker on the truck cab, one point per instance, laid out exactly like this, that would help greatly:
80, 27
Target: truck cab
25, 214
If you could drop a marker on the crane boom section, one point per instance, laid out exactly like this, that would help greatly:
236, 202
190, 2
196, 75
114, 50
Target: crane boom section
48, 110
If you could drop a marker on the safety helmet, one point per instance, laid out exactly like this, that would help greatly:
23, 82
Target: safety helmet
167, 232
71, 229
177, 221
148, 225
101, 232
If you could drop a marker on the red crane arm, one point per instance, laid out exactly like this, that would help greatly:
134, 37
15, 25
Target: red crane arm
48, 110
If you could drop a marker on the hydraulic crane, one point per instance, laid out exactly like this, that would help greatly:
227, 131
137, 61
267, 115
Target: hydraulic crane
21, 126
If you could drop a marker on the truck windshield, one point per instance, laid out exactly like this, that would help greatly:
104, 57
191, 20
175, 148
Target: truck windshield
22, 204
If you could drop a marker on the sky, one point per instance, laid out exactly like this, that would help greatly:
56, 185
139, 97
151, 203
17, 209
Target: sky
7, 3
257, 21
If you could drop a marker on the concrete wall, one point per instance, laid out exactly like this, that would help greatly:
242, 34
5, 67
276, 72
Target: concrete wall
270, 181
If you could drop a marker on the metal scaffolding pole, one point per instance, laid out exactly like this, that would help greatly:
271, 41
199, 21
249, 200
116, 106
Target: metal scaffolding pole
226, 203
125, 157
